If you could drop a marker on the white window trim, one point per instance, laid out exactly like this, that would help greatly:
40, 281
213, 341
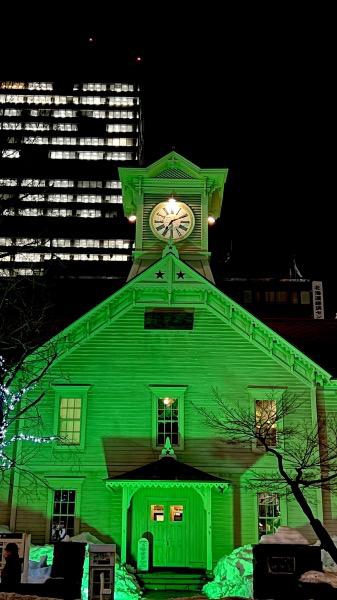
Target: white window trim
71, 391
283, 514
56, 482
172, 391
264, 393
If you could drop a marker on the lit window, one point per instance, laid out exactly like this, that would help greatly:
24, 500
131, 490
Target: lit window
113, 184
65, 127
33, 183
70, 414
89, 198
8, 182
88, 212
90, 155
40, 85
60, 99
60, 197
113, 199
12, 112
59, 212
118, 156
305, 297
121, 101
27, 257
119, 128
63, 517
12, 85
35, 140
157, 512
11, 126
62, 154
264, 402
90, 141
37, 99
62, 113
32, 197
265, 416
63, 141
30, 212
61, 183
268, 513
10, 153
176, 513
70, 421
121, 114
96, 114
168, 415
37, 126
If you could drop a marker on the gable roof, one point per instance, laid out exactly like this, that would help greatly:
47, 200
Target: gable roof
177, 171
170, 282
167, 468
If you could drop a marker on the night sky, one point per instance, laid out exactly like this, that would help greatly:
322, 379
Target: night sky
249, 92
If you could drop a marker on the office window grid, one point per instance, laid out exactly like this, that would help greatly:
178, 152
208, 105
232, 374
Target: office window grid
40, 119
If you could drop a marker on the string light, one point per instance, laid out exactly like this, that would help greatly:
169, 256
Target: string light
9, 400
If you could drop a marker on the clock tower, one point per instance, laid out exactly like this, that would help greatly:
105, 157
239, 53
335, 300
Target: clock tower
172, 199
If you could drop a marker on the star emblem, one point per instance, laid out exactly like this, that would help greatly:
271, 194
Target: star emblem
160, 274
181, 275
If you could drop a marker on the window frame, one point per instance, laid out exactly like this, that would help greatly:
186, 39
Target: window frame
71, 391
171, 391
282, 515
55, 483
260, 393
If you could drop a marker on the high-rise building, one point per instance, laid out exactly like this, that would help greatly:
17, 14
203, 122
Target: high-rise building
60, 198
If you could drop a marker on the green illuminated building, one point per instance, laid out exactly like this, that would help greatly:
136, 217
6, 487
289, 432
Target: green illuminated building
136, 457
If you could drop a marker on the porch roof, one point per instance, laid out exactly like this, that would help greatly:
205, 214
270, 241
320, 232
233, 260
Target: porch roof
167, 469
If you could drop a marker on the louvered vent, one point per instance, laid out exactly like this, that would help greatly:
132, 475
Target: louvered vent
173, 174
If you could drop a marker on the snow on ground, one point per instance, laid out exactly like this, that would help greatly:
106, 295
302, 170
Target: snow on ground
233, 575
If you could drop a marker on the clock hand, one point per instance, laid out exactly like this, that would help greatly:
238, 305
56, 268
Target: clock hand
177, 218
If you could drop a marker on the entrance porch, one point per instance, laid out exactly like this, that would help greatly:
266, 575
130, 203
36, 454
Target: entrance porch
170, 504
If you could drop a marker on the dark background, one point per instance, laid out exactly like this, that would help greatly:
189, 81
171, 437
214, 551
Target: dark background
249, 90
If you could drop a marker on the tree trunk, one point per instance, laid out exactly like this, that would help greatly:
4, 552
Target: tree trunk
318, 527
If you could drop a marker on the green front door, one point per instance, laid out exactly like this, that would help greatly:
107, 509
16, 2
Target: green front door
174, 522
168, 522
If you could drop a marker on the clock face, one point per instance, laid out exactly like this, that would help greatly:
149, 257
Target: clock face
172, 220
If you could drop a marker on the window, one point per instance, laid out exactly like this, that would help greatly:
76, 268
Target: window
176, 513
10, 153
63, 518
70, 411
264, 402
305, 297
157, 512
265, 417
168, 319
268, 513
168, 415
63, 509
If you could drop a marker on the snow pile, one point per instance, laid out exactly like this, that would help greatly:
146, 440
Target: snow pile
328, 563
233, 575
284, 535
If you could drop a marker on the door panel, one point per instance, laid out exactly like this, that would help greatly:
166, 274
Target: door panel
176, 540
168, 526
